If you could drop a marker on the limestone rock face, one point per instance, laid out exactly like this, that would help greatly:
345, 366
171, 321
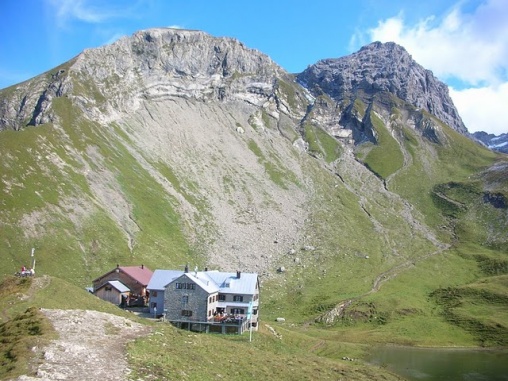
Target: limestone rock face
209, 122
29, 103
227, 140
382, 68
167, 62
151, 64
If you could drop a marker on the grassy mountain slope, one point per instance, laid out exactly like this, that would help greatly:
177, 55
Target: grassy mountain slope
60, 195
398, 299
213, 356
397, 238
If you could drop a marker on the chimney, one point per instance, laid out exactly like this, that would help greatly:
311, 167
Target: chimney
238, 274
186, 268
142, 266
206, 268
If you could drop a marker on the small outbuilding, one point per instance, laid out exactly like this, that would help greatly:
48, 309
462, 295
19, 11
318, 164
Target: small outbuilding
113, 291
135, 278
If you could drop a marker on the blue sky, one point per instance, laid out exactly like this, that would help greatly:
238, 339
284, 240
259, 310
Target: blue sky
464, 42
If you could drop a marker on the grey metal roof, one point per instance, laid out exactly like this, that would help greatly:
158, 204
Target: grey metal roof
161, 278
211, 281
246, 284
118, 285
203, 281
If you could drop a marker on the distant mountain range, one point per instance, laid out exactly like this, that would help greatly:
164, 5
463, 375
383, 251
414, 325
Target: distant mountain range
494, 142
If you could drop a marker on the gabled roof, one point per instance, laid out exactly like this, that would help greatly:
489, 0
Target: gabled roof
119, 286
142, 274
161, 278
210, 281
205, 283
246, 284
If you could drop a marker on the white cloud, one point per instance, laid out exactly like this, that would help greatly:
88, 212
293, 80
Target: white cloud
81, 10
470, 48
483, 109
93, 11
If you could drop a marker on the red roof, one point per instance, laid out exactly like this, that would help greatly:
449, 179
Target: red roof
142, 274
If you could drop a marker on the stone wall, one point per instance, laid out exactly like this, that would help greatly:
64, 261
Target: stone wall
196, 301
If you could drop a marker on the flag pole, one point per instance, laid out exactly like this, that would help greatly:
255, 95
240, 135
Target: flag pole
250, 330
33, 258
250, 321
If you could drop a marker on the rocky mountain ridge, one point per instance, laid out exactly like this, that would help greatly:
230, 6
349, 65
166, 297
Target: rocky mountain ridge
151, 64
160, 63
220, 137
494, 142
378, 69
354, 205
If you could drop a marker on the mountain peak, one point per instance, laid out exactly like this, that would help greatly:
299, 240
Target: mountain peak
389, 46
151, 64
383, 67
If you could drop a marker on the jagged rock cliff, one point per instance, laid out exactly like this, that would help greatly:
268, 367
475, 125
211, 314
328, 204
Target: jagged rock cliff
182, 144
379, 69
172, 147
151, 64
202, 118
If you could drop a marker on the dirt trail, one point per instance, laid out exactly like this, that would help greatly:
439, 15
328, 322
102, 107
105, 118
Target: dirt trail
90, 347
394, 271
355, 178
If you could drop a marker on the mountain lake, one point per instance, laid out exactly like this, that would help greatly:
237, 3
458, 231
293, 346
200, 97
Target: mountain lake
431, 364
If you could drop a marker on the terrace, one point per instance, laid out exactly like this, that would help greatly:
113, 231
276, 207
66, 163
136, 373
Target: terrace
225, 324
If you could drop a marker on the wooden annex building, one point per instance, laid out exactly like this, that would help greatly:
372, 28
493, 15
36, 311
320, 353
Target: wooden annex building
124, 285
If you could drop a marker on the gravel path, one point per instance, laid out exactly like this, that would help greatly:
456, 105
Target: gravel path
90, 347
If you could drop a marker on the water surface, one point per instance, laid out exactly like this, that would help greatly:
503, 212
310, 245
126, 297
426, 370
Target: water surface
428, 364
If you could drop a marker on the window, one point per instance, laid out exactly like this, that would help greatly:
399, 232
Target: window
185, 299
185, 286
237, 311
238, 298
108, 288
222, 298
187, 313
154, 294
210, 300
